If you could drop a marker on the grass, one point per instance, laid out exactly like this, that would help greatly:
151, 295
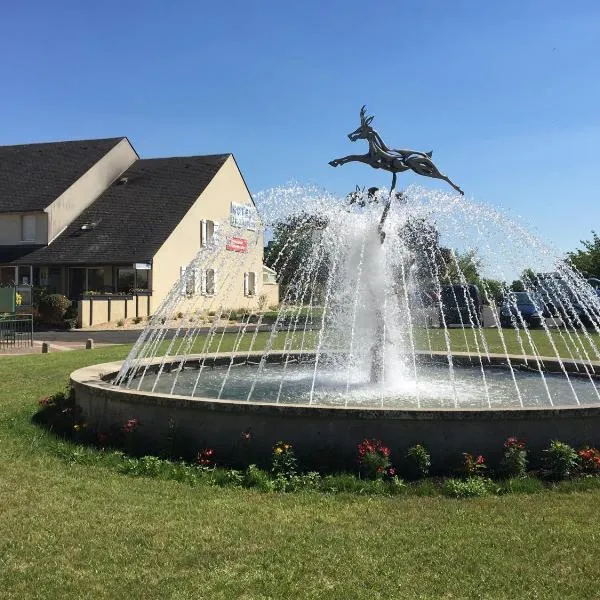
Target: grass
516, 342
80, 529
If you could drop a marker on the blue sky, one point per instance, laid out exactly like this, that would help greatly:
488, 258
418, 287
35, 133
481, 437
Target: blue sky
507, 94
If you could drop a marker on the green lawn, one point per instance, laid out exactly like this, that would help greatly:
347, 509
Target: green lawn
516, 342
75, 531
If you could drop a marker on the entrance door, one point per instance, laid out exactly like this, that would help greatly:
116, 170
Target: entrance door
76, 282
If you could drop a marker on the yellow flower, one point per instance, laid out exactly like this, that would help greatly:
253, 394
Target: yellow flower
76, 427
278, 450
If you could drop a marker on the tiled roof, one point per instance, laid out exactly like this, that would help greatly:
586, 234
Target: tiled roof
134, 217
32, 176
9, 254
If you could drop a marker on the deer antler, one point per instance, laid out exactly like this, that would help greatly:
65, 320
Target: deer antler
363, 113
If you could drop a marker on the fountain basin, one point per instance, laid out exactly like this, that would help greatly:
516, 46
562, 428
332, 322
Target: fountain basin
324, 437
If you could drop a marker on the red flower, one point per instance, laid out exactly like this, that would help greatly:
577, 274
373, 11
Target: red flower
131, 425
480, 460
205, 457
391, 472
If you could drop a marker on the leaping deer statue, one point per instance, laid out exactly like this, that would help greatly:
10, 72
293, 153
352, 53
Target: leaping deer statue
389, 159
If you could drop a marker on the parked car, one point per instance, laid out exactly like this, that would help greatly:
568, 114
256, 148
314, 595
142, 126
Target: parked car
521, 303
461, 305
558, 300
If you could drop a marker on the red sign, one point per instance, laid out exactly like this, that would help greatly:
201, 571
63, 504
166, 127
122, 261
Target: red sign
237, 244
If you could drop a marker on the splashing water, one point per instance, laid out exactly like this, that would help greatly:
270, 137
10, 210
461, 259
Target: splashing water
392, 324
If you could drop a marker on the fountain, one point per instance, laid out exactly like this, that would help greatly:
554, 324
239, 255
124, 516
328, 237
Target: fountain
380, 333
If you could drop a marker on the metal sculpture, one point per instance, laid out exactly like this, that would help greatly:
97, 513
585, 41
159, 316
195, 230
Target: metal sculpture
380, 156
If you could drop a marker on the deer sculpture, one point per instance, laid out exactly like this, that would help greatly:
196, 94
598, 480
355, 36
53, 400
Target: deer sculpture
380, 156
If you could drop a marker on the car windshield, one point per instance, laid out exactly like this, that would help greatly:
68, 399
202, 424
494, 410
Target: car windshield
523, 299
458, 295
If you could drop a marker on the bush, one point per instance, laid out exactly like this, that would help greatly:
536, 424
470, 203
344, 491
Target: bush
284, 463
561, 460
514, 461
120, 323
52, 308
419, 462
373, 459
473, 466
466, 488
137, 320
589, 459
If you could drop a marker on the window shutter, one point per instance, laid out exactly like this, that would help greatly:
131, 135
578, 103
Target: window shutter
198, 279
216, 239
201, 282
215, 282
246, 282
203, 233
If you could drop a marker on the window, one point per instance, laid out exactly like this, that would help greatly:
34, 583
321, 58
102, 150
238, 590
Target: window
24, 276
210, 282
142, 279
125, 279
207, 232
95, 279
249, 284
8, 275
28, 228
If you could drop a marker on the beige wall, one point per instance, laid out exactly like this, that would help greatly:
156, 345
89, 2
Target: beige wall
184, 243
88, 187
10, 228
94, 311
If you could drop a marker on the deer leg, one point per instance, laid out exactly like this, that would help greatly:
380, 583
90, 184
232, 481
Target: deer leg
363, 158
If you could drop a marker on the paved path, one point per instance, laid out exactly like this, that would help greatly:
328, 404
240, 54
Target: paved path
117, 336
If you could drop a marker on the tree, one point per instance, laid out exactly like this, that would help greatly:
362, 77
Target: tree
294, 241
587, 260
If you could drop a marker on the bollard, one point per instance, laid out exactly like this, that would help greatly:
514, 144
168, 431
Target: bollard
89, 344
45, 347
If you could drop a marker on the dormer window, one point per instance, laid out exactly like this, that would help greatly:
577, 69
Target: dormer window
28, 228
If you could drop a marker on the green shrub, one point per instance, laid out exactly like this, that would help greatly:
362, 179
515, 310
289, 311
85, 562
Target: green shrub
514, 460
257, 478
589, 460
466, 488
473, 465
52, 308
373, 459
120, 323
284, 461
561, 460
137, 320
418, 461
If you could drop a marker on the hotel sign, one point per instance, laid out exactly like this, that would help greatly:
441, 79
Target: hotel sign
243, 216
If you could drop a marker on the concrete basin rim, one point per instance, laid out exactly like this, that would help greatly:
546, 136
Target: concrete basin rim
97, 376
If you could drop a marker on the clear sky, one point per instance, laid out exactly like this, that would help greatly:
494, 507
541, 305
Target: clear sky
507, 94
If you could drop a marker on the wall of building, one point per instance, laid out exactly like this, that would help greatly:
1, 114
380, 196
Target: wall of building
11, 232
183, 245
88, 187
97, 310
